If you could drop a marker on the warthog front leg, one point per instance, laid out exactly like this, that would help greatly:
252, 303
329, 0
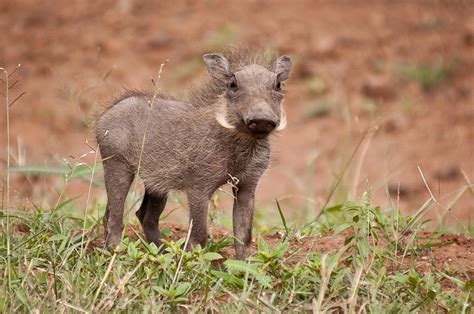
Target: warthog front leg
242, 217
198, 206
118, 179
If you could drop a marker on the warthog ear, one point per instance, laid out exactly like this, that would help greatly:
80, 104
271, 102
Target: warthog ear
217, 66
282, 67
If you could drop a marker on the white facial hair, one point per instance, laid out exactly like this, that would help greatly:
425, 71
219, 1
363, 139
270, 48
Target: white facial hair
221, 115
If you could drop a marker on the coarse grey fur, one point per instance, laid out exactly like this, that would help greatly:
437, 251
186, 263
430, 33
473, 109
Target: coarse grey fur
194, 145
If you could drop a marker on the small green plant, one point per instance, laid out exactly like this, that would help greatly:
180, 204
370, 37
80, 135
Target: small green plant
316, 85
187, 69
320, 108
369, 106
428, 75
223, 36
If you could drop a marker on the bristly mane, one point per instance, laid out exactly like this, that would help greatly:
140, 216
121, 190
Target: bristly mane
238, 57
242, 56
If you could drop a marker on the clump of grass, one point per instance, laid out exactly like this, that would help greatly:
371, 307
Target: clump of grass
431, 23
53, 267
187, 69
316, 85
222, 36
428, 75
320, 108
369, 106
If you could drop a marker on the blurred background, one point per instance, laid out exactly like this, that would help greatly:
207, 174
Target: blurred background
399, 72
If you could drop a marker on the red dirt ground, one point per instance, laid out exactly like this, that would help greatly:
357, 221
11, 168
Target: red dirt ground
348, 57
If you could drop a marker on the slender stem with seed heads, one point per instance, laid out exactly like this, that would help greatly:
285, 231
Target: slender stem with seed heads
7, 107
8, 104
96, 151
156, 92
151, 103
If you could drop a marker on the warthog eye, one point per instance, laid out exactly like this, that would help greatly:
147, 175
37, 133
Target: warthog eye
232, 85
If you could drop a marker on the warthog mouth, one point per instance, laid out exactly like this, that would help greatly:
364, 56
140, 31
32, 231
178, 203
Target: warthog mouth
260, 135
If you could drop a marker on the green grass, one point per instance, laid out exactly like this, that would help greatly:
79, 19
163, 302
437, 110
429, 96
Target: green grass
49, 263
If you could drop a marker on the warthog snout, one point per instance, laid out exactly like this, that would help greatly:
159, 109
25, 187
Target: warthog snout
260, 128
261, 120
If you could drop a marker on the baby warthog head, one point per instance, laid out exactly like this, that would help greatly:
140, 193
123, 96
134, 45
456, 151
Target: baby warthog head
252, 98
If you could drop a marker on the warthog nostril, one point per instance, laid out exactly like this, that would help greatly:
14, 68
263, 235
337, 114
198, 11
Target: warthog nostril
261, 126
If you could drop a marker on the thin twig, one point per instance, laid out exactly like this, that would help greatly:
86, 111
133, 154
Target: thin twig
427, 186
110, 299
14, 70
13, 84
360, 162
142, 147
7, 102
468, 181
94, 149
182, 255
106, 275
17, 98
352, 301
88, 197
338, 181
71, 306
